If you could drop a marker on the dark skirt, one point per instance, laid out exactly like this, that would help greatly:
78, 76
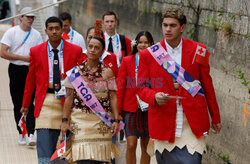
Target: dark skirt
178, 156
136, 123
90, 162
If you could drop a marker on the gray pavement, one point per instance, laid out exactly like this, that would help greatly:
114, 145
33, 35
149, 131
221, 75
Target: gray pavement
10, 151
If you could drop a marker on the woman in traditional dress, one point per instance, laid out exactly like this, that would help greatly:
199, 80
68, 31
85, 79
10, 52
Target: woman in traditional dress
91, 138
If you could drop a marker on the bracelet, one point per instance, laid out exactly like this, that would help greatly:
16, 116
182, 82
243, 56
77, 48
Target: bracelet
116, 120
64, 119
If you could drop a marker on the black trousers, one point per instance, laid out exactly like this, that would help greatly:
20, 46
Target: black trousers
17, 75
46, 146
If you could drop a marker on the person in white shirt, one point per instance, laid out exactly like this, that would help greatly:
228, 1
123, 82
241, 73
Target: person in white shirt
69, 34
120, 45
16, 44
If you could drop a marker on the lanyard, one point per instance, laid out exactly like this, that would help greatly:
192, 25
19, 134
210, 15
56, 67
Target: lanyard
61, 57
72, 36
118, 51
136, 65
27, 36
117, 42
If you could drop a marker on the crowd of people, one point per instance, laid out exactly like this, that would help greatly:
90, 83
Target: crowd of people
82, 93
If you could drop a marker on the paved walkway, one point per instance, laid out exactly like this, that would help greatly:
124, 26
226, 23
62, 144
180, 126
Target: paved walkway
10, 151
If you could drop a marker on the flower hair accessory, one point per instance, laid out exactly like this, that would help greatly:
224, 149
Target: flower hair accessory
98, 28
133, 43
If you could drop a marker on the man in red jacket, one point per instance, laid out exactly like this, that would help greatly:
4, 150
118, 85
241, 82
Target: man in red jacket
49, 63
173, 78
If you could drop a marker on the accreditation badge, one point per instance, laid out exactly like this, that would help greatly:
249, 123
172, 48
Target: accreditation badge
62, 92
142, 104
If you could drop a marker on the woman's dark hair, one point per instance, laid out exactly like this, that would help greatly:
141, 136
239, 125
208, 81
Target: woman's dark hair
89, 29
100, 40
53, 20
142, 33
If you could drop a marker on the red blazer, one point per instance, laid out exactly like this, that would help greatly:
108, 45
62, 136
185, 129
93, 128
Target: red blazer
109, 61
162, 119
39, 72
126, 93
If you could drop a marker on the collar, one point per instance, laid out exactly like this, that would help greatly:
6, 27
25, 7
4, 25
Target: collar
58, 47
107, 35
105, 54
70, 32
23, 30
173, 49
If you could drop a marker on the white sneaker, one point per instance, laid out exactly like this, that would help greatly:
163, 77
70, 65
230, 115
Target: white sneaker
22, 141
31, 140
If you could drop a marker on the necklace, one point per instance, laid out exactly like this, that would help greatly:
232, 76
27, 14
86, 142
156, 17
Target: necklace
92, 75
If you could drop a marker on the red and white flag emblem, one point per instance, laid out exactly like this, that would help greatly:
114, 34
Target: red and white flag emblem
60, 151
110, 64
22, 126
202, 56
200, 51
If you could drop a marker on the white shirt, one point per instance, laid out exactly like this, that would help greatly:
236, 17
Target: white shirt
117, 48
13, 38
51, 60
76, 38
176, 54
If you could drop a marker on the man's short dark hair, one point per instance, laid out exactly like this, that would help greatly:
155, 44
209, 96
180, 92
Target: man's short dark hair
176, 13
53, 20
65, 16
109, 13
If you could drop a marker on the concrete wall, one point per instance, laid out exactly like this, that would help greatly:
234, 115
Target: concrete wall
230, 51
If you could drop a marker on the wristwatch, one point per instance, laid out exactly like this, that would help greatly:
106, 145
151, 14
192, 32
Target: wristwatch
64, 119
